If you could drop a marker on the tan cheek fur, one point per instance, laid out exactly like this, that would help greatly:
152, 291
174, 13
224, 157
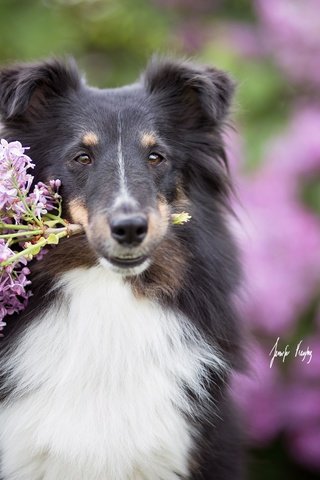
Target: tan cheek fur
99, 232
75, 251
158, 222
78, 212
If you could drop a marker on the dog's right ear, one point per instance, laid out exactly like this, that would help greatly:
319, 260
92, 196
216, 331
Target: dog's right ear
27, 88
192, 95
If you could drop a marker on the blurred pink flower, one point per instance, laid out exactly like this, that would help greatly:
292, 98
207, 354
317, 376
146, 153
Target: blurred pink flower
258, 395
304, 446
291, 32
280, 241
301, 412
245, 39
281, 257
278, 234
300, 406
295, 155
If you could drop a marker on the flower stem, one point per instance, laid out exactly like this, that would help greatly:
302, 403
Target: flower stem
9, 226
27, 251
22, 234
69, 230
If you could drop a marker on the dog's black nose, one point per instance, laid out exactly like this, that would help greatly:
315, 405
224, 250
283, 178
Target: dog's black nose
129, 230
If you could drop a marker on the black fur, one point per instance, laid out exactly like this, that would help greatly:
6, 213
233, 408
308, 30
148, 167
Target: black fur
47, 106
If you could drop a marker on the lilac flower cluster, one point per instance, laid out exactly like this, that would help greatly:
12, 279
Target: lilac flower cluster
21, 211
44, 197
15, 197
13, 282
280, 240
14, 178
291, 34
283, 247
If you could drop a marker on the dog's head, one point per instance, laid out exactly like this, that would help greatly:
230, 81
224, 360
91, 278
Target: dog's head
127, 157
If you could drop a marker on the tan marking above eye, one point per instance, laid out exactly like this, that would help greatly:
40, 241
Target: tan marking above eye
148, 140
90, 139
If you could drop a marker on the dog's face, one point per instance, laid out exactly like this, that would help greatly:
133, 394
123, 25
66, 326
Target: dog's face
125, 156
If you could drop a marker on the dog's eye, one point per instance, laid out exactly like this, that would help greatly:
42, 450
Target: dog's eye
83, 159
155, 158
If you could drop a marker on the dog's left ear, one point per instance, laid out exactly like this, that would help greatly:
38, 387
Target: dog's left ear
26, 89
193, 94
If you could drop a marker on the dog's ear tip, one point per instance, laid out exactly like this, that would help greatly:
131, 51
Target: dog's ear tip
20, 83
8, 76
223, 77
224, 87
213, 87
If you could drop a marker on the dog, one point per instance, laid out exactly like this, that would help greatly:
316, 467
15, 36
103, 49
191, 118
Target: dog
119, 367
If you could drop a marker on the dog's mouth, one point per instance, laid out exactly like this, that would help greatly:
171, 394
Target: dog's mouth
127, 262
126, 265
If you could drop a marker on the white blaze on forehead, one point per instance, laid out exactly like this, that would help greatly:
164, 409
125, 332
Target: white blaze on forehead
123, 196
122, 174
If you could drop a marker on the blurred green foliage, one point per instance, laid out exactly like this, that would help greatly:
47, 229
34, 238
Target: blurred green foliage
113, 39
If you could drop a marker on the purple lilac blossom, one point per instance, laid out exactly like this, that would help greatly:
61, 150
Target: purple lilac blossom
44, 197
14, 178
13, 283
12, 156
18, 205
282, 262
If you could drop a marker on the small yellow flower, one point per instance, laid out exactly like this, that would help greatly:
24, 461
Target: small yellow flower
180, 218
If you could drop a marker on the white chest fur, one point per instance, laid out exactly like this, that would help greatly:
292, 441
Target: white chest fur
100, 376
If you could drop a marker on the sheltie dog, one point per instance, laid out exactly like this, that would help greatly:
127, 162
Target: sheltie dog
119, 368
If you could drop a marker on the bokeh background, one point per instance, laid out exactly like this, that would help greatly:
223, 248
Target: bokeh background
272, 48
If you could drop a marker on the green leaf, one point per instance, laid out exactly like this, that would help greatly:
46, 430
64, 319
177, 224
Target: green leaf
53, 239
